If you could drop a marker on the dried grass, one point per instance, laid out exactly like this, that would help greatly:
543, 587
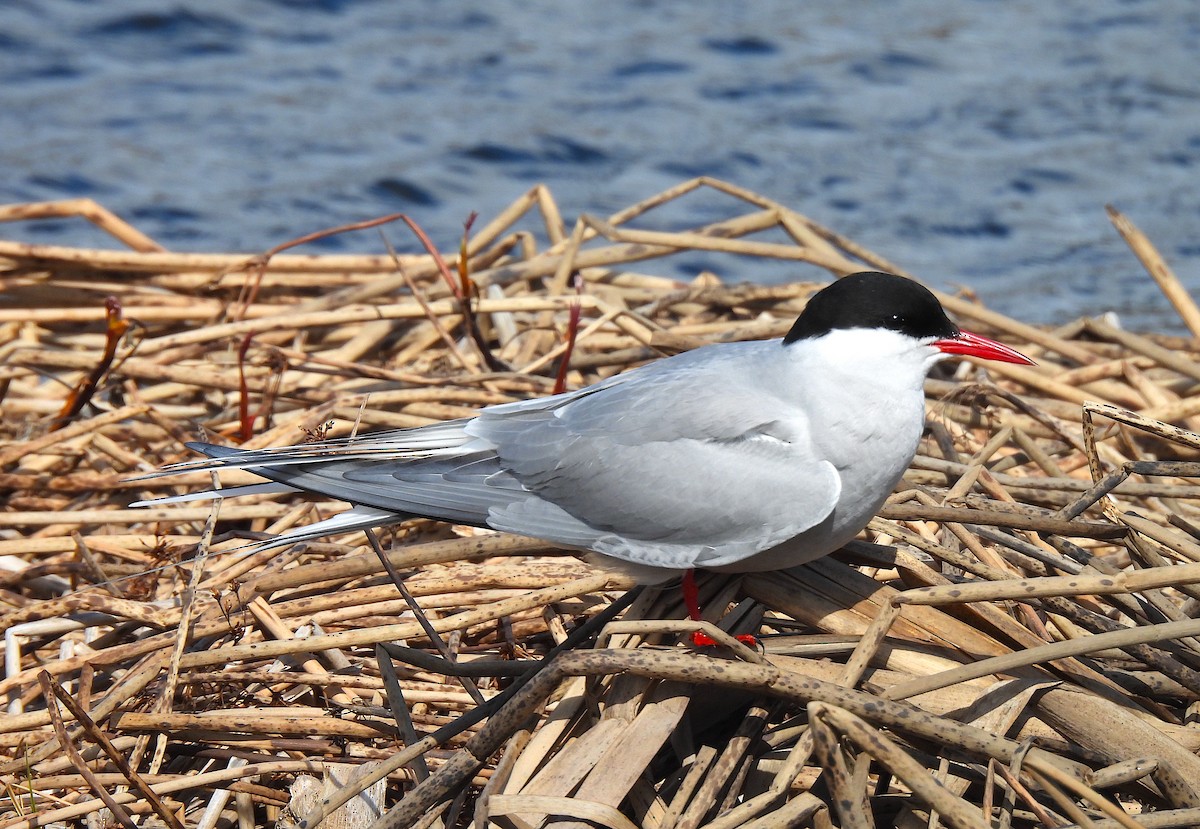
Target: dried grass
1014, 645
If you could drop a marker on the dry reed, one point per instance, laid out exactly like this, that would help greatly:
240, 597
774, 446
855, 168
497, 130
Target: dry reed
1011, 643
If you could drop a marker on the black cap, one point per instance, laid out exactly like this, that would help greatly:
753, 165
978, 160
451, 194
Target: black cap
873, 300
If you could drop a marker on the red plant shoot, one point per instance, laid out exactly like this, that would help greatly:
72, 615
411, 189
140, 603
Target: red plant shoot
245, 421
560, 379
115, 328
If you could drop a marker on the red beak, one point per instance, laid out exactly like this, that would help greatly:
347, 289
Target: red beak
973, 345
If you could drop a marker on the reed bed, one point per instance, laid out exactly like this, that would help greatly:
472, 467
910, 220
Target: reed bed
1012, 641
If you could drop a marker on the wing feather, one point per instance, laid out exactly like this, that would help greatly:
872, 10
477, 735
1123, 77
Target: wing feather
686, 462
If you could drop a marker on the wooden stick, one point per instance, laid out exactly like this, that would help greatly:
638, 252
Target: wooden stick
1158, 268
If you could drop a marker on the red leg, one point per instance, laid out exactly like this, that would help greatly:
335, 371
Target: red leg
691, 598
691, 595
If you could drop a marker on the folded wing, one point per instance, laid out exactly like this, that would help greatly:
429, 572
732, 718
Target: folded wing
656, 467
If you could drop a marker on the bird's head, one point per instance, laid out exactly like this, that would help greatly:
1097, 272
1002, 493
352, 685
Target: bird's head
894, 305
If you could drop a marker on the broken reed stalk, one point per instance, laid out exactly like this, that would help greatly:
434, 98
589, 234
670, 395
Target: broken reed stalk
1016, 637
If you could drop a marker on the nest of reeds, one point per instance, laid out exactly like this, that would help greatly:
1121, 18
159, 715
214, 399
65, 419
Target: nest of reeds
1011, 642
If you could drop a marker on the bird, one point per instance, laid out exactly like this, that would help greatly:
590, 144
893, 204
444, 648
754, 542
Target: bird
734, 457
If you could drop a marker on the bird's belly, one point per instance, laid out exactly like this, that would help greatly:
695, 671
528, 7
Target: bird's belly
862, 496
821, 540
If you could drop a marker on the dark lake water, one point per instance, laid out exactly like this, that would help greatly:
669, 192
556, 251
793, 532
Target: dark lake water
973, 142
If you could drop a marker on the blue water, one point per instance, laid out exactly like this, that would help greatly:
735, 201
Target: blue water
974, 143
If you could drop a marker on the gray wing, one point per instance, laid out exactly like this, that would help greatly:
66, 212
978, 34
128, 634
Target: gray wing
687, 462
684, 462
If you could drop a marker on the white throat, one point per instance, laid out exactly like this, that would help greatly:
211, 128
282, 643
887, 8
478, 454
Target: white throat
864, 392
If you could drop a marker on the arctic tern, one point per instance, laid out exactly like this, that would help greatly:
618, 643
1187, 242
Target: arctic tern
736, 457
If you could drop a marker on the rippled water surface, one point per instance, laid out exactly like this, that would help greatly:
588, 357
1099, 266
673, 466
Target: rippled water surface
974, 142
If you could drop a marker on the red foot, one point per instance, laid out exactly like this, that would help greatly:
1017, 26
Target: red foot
703, 640
691, 598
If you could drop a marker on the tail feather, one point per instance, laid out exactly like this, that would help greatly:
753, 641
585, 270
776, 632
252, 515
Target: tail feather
435, 472
358, 518
270, 488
